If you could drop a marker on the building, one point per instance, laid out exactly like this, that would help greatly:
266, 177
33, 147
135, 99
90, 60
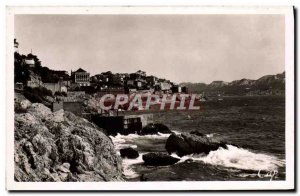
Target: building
117, 80
151, 80
80, 77
30, 62
56, 87
163, 86
138, 84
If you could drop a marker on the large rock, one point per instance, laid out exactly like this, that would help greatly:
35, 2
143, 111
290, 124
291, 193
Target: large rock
21, 104
159, 159
61, 146
189, 143
129, 153
40, 110
155, 128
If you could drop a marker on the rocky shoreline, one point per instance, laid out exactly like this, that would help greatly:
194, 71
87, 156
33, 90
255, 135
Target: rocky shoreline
61, 146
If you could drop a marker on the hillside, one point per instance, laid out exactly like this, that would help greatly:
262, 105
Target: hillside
266, 85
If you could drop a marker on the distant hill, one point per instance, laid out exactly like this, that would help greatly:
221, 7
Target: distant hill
269, 84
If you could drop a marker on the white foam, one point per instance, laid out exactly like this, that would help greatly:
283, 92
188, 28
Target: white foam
124, 141
232, 158
194, 157
210, 135
128, 164
176, 132
238, 158
131, 137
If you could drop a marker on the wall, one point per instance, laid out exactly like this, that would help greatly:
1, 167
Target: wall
52, 86
75, 93
74, 107
57, 106
55, 87
145, 118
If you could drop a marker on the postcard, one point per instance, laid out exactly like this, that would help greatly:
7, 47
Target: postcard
150, 98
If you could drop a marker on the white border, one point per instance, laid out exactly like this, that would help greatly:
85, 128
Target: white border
183, 185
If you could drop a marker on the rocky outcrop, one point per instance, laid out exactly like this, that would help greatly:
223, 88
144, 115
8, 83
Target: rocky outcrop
155, 128
21, 104
60, 146
129, 153
159, 159
194, 142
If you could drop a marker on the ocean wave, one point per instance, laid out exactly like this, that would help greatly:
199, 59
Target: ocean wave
123, 138
238, 158
123, 141
233, 158
128, 164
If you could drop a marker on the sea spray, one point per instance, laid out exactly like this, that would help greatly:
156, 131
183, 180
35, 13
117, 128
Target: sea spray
232, 159
128, 166
124, 141
238, 158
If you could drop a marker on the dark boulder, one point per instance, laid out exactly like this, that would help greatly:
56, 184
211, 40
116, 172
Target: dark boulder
159, 159
186, 143
129, 153
151, 129
197, 133
176, 143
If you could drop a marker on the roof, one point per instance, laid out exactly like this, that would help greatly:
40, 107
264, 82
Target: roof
80, 70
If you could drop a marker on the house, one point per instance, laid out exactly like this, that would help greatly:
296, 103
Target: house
137, 83
80, 77
117, 80
163, 86
151, 80
30, 62
56, 87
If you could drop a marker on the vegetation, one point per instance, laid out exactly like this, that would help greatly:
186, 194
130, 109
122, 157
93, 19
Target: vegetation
21, 71
58, 93
37, 94
47, 75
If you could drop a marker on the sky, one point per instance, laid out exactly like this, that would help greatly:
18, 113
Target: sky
181, 48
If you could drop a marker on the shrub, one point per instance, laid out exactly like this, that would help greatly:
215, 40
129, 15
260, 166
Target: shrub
32, 97
45, 92
64, 94
36, 94
28, 89
57, 93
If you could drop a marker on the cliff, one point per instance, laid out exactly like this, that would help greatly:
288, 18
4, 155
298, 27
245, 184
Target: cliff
61, 146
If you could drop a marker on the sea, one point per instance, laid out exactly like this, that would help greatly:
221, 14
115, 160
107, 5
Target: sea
254, 125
